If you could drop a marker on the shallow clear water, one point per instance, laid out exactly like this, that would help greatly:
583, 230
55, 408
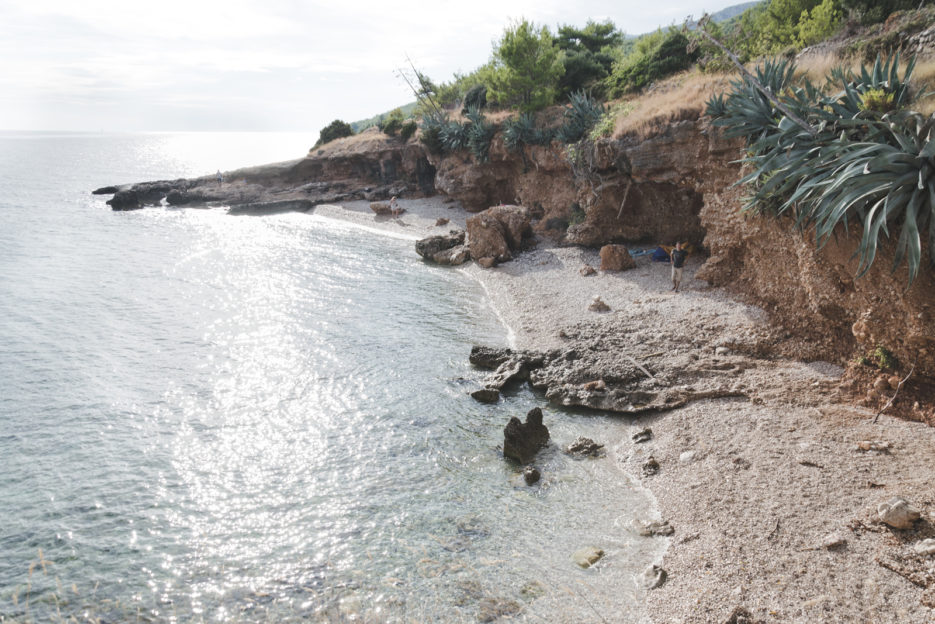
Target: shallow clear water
216, 418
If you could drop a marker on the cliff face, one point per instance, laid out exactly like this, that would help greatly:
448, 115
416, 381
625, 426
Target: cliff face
678, 185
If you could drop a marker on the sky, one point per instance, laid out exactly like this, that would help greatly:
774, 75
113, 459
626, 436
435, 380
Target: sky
258, 65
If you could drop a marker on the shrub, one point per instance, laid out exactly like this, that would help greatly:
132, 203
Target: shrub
335, 130
407, 130
391, 123
667, 56
476, 97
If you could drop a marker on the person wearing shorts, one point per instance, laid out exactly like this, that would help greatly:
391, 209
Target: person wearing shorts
677, 259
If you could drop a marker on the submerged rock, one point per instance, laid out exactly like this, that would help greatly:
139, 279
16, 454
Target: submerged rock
521, 441
653, 577
586, 557
598, 305
658, 528
531, 475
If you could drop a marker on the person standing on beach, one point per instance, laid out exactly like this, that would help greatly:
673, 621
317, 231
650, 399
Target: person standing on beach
394, 206
220, 177
677, 259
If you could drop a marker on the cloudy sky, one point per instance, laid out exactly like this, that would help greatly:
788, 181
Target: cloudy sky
120, 65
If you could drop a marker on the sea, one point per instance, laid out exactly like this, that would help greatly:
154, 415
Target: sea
217, 418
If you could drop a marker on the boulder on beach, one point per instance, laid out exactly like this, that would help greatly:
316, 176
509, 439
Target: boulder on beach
496, 233
381, 209
898, 513
616, 258
448, 249
521, 441
586, 557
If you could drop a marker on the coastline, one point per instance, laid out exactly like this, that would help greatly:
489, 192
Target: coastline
772, 501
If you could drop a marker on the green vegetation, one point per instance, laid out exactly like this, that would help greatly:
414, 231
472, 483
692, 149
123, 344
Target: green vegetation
526, 68
655, 56
588, 55
831, 160
335, 130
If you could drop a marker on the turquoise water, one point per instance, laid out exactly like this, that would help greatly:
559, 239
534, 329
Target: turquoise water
216, 418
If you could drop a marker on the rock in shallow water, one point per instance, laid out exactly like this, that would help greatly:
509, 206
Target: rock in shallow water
521, 441
486, 395
586, 557
531, 475
653, 577
585, 447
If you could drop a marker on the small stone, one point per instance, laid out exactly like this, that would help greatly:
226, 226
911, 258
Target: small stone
833, 541
654, 529
722, 351
643, 436
650, 467
898, 513
653, 577
873, 445
486, 263
687, 456
740, 615
441, 221
598, 306
926, 547
893, 382
882, 384
597, 385
587, 270
531, 475
586, 557
486, 395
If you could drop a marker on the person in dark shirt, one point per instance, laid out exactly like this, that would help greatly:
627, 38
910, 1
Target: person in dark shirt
677, 259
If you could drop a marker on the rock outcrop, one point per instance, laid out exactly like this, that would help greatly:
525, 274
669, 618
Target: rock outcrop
497, 233
521, 441
446, 249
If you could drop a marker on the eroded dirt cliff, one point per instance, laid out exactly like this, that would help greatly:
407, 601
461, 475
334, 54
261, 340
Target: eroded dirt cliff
678, 184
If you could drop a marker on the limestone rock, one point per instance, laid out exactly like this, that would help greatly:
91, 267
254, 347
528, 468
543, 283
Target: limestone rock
652, 529
585, 447
453, 257
616, 258
498, 232
586, 557
587, 270
432, 245
598, 305
486, 263
531, 475
643, 436
650, 467
521, 441
833, 541
486, 395
440, 221
653, 577
381, 208
898, 513
926, 547
125, 200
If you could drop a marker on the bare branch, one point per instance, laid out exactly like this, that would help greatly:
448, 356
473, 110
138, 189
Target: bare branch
893, 398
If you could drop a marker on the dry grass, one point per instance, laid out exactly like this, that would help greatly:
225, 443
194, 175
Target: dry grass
680, 97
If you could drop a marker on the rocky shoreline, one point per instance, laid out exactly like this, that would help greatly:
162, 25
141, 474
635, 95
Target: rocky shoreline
770, 479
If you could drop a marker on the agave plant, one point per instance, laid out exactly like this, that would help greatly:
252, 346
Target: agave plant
519, 131
480, 133
581, 114
850, 163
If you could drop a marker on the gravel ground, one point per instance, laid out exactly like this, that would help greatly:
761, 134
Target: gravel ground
773, 501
